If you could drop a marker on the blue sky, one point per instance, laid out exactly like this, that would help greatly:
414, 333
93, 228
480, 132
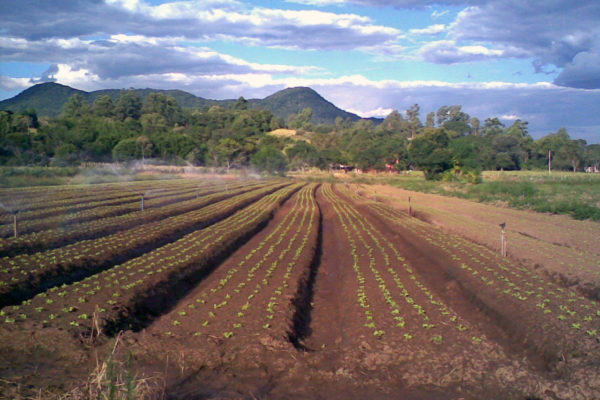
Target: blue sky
512, 59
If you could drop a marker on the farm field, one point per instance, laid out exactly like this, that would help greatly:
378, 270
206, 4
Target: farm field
274, 288
566, 250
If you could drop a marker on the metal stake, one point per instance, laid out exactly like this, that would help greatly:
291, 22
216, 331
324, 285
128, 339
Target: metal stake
16, 225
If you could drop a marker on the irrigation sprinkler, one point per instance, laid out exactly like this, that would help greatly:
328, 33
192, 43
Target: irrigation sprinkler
502, 240
14, 212
15, 223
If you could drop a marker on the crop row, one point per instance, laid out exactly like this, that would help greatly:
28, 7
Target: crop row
38, 199
411, 310
36, 221
51, 238
512, 292
263, 290
128, 293
27, 274
571, 258
76, 209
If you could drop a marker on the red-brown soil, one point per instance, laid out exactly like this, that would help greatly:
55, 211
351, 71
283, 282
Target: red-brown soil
342, 297
565, 249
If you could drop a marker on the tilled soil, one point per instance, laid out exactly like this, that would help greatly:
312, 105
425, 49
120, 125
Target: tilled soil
567, 250
343, 297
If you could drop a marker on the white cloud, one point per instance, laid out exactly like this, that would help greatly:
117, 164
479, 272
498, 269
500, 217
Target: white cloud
430, 30
439, 14
318, 3
558, 33
450, 52
8, 83
195, 20
379, 112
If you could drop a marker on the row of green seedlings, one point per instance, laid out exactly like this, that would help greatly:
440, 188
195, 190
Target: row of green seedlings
86, 254
308, 241
444, 312
210, 299
298, 247
506, 277
121, 287
102, 226
414, 308
361, 295
63, 218
61, 196
45, 206
85, 208
577, 260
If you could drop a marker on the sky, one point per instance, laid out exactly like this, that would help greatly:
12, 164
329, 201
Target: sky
538, 61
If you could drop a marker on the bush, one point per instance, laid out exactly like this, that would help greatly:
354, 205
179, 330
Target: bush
270, 160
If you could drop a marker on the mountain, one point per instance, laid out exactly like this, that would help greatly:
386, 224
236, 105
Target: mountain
293, 100
45, 98
49, 98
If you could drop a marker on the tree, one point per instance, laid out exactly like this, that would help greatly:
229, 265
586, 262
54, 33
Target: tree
76, 107
592, 156
430, 153
129, 105
302, 119
412, 114
165, 106
430, 120
127, 150
394, 123
145, 146
302, 155
104, 107
240, 104
475, 123
227, 150
66, 154
270, 160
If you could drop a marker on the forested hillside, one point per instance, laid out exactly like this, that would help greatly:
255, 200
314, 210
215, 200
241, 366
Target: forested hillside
236, 134
48, 99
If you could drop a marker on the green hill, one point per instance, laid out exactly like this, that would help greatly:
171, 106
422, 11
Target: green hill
48, 99
293, 100
45, 98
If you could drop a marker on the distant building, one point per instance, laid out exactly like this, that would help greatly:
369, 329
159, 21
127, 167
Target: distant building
342, 167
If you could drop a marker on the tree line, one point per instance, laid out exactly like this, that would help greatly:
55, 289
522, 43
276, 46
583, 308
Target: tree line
449, 143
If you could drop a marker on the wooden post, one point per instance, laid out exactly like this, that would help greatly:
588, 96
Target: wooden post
549, 162
409, 208
502, 240
16, 225
142, 202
